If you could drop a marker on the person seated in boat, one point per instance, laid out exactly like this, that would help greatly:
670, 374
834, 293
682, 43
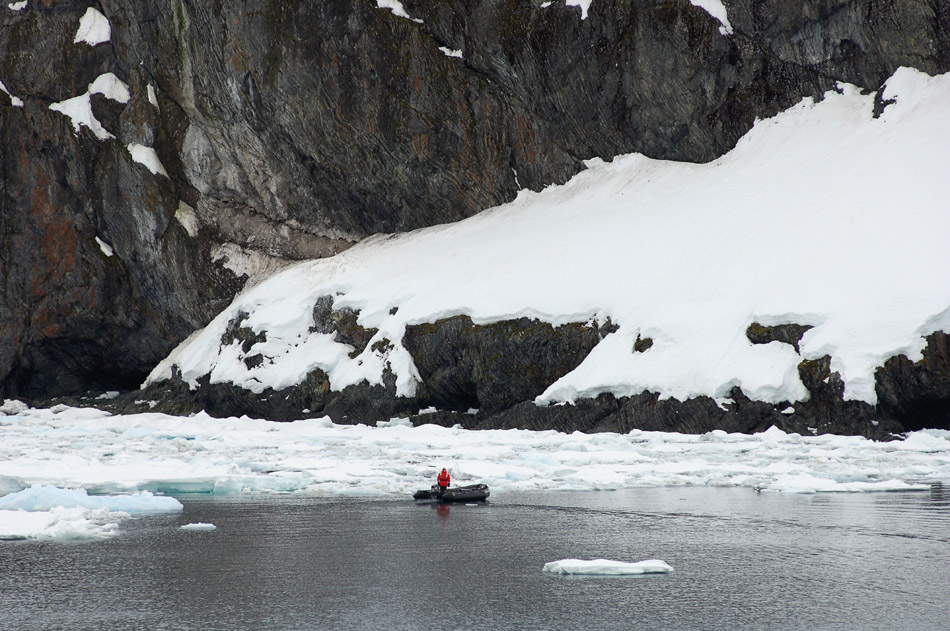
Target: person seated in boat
444, 481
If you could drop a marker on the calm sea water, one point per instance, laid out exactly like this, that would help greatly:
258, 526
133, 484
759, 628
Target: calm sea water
743, 560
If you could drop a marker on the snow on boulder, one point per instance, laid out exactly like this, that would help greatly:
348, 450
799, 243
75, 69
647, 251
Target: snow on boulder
79, 108
716, 9
606, 567
148, 157
93, 29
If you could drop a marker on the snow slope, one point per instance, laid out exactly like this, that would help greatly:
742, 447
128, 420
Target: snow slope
822, 215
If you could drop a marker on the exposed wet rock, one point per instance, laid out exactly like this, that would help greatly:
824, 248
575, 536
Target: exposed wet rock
492, 367
785, 333
918, 393
342, 322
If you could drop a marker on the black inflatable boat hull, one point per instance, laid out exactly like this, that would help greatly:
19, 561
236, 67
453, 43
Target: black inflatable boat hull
470, 493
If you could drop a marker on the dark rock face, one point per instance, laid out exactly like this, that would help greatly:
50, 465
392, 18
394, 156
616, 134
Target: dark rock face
289, 130
492, 367
918, 393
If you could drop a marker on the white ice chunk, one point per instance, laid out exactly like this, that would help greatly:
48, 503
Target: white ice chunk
199, 526
808, 483
606, 567
43, 498
93, 29
17, 6
57, 524
148, 157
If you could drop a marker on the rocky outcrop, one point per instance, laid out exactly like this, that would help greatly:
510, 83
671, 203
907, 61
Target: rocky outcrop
487, 377
490, 368
291, 130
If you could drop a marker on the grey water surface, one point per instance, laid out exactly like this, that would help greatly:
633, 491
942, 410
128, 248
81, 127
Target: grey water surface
742, 560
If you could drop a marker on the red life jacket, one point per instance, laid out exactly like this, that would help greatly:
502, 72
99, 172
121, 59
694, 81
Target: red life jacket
444, 478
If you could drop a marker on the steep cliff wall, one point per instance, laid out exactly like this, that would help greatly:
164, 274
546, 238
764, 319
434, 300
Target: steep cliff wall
289, 130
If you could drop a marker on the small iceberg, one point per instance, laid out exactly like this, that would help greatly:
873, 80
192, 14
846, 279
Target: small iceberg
199, 526
606, 567
43, 498
50, 513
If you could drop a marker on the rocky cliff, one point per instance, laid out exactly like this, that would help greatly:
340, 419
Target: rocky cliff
259, 132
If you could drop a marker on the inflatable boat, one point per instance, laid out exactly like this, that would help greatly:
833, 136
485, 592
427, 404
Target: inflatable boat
470, 493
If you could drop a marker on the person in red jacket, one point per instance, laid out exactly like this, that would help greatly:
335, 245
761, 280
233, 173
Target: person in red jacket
444, 481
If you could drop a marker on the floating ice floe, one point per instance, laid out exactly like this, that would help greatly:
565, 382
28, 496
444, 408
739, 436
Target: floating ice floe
199, 526
606, 567
60, 524
43, 498
110, 455
51, 513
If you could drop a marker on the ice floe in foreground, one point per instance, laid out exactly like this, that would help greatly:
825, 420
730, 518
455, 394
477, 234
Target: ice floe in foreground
52, 513
199, 526
606, 567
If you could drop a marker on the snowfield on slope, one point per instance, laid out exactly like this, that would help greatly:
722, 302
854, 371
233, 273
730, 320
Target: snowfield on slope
822, 215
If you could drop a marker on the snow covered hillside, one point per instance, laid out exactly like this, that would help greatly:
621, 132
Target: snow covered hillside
824, 216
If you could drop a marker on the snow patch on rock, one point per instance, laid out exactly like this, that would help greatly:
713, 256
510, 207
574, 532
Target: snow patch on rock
94, 28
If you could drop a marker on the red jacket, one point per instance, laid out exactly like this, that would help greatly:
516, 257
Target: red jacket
444, 478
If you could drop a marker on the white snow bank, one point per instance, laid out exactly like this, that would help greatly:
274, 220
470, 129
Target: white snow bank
199, 526
822, 215
148, 157
396, 7
93, 29
159, 453
716, 9
79, 108
583, 4
606, 567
